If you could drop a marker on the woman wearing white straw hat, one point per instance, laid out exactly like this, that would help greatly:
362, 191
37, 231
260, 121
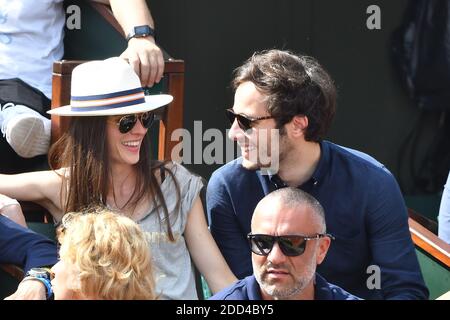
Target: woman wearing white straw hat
104, 158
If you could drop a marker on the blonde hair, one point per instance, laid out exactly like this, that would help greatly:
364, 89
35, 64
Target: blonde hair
110, 254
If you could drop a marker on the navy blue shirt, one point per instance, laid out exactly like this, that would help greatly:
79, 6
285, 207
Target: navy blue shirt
364, 210
25, 248
248, 289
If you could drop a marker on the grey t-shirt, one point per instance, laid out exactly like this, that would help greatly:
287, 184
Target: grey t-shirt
174, 273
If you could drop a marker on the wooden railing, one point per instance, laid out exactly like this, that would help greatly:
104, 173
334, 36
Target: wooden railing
429, 242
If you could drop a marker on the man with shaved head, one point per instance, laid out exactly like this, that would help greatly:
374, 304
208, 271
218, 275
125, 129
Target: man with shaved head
288, 240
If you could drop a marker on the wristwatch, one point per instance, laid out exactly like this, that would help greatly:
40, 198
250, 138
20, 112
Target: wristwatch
43, 275
141, 31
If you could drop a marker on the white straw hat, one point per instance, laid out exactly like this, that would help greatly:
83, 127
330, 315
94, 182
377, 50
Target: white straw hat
108, 87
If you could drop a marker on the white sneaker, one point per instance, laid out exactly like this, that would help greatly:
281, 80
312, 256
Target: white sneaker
26, 130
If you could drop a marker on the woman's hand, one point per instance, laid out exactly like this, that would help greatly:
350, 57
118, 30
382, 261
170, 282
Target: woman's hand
146, 58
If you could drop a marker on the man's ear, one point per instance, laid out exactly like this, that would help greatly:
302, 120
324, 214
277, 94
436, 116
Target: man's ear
324, 244
299, 125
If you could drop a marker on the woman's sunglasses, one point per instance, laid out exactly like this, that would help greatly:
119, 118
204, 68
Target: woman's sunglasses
244, 122
291, 246
126, 123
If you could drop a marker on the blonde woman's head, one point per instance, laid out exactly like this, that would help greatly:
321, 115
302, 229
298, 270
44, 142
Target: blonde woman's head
103, 256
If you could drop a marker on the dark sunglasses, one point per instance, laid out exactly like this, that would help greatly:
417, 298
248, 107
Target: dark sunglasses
244, 122
291, 246
126, 123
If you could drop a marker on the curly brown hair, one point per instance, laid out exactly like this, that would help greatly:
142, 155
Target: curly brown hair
294, 85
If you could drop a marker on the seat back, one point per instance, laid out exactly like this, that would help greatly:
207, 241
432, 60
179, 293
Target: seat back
98, 35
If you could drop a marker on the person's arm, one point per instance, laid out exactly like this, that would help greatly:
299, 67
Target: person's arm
143, 54
42, 187
29, 290
23, 247
225, 228
391, 245
204, 251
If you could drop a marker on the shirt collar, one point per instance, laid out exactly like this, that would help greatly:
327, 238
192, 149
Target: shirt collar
321, 289
324, 162
253, 289
318, 174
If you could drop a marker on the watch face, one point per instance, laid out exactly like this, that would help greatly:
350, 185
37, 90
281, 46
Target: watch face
142, 30
39, 272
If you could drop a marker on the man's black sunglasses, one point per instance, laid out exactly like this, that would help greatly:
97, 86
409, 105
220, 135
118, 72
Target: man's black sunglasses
126, 123
290, 245
244, 122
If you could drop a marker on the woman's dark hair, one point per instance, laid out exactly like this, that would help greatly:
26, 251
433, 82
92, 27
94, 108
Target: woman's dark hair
294, 85
82, 149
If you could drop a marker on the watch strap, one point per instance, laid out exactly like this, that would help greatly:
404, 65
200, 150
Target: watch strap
46, 282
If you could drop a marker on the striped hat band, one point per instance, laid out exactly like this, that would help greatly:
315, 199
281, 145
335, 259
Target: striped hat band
108, 100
